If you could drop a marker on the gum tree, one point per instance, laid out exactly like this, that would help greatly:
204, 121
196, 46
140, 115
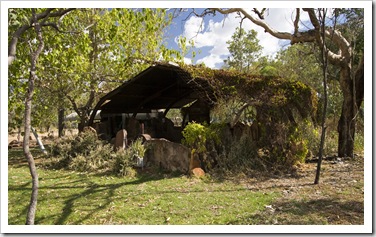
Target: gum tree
244, 49
28, 24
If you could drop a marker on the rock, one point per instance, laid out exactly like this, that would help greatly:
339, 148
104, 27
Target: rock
121, 140
167, 155
144, 137
198, 172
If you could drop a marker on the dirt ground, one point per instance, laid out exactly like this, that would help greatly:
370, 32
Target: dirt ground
46, 137
338, 199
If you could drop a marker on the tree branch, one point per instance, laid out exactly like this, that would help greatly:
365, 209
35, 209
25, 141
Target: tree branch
17, 34
296, 22
259, 14
299, 37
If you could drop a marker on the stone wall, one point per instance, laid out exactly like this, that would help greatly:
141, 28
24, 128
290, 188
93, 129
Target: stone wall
167, 155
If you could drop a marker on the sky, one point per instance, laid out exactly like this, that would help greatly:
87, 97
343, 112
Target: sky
210, 34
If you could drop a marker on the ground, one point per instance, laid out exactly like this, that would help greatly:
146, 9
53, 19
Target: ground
261, 199
337, 200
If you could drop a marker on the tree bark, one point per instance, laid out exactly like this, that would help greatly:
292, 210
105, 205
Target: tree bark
26, 142
324, 63
61, 122
353, 95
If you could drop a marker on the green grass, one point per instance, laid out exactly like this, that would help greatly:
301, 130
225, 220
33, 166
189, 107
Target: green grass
71, 198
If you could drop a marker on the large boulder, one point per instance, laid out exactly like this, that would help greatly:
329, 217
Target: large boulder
168, 155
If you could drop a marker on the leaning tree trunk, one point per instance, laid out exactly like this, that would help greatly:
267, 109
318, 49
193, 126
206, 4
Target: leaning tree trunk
353, 93
26, 142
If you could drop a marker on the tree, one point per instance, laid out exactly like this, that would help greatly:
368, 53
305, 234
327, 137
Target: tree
20, 35
302, 62
20, 29
244, 49
104, 47
341, 55
324, 63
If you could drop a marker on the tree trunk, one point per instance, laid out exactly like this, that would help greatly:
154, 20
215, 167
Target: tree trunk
83, 121
29, 96
61, 122
324, 63
29, 157
350, 108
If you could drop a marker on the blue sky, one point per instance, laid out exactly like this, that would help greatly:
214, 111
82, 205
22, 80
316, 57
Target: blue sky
211, 39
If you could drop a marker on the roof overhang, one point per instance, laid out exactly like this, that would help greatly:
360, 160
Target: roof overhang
161, 86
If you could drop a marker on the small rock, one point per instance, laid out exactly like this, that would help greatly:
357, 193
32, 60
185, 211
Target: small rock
198, 172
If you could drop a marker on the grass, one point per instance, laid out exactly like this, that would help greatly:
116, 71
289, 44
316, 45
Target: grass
72, 198
158, 198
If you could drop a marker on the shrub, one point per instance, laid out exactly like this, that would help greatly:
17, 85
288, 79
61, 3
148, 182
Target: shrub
123, 161
196, 135
85, 152
290, 143
241, 156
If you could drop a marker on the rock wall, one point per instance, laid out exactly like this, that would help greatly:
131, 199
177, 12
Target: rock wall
168, 155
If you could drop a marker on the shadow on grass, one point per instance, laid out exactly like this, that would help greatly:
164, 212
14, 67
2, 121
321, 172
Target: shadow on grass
17, 159
314, 212
94, 188
333, 210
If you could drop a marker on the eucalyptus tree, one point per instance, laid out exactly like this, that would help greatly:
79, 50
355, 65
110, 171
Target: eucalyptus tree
244, 49
27, 24
341, 54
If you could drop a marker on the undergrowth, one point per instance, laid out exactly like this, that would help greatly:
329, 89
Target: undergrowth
87, 153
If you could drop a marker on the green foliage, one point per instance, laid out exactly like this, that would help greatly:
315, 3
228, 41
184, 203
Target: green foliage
99, 49
138, 148
244, 49
269, 71
186, 48
196, 135
123, 162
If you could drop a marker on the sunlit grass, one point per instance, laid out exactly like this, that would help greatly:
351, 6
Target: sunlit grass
67, 197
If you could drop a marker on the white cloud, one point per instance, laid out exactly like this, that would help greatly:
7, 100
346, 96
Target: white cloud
215, 34
211, 60
187, 60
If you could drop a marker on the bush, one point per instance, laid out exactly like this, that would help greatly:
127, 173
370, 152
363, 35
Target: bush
123, 160
83, 153
87, 153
